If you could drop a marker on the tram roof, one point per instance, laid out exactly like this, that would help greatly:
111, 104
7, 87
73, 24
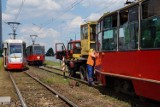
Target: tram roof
13, 41
123, 8
35, 45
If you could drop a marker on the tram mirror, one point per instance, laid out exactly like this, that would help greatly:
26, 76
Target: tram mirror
3, 54
5, 46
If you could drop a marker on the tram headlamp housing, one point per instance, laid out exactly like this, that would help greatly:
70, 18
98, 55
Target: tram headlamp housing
38, 57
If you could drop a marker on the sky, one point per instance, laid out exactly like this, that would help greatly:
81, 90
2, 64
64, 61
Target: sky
53, 21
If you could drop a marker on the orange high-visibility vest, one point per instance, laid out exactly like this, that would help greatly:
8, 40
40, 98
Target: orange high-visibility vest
90, 60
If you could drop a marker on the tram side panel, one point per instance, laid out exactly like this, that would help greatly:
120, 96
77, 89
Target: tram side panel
139, 67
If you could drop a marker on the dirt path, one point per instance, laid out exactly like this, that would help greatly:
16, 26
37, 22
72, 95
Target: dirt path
82, 95
7, 89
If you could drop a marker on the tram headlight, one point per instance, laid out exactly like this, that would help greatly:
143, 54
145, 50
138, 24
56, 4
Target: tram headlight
38, 57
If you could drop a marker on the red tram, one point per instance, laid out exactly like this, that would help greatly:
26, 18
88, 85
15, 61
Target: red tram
129, 50
35, 54
14, 54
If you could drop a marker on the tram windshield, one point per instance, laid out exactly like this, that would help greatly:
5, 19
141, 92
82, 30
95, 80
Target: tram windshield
38, 50
15, 48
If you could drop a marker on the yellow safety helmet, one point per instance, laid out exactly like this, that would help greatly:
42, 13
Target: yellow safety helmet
91, 50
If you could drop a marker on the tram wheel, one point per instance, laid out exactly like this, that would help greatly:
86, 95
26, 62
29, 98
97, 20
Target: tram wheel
117, 85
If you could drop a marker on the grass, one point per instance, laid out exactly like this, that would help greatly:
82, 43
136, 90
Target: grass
52, 63
1, 62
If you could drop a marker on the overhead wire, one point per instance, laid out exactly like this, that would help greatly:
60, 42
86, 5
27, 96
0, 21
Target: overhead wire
56, 18
102, 9
20, 10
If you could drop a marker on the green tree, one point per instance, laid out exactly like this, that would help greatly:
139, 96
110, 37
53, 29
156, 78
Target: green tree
50, 52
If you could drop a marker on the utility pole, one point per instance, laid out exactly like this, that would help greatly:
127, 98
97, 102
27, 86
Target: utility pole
14, 26
33, 37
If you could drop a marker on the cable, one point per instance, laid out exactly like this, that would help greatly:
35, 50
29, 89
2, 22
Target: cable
4, 21
56, 18
20, 9
102, 9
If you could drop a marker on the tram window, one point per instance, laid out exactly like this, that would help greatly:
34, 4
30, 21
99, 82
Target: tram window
123, 17
150, 33
150, 8
110, 22
114, 20
128, 32
109, 41
107, 22
133, 32
124, 37
128, 35
133, 14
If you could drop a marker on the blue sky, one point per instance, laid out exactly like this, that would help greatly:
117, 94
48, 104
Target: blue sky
53, 20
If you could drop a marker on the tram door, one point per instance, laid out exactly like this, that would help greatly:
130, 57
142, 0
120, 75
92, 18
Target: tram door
5, 54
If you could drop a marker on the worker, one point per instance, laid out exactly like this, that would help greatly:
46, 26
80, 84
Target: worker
90, 65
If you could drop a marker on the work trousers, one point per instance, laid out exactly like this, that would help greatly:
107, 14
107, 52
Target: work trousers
90, 73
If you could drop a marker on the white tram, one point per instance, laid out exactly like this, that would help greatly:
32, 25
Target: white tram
14, 54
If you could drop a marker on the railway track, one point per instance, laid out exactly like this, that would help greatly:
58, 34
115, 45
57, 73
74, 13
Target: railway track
134, 100
49, 69
34, 93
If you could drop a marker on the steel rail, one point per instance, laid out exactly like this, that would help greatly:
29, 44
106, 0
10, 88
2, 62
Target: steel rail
76, 79
18, 91
95, 86
71, 104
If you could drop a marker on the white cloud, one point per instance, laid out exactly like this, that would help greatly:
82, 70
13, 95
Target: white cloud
46, 37
76, 22
93, 17
41, 32
31, 8
104, 5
